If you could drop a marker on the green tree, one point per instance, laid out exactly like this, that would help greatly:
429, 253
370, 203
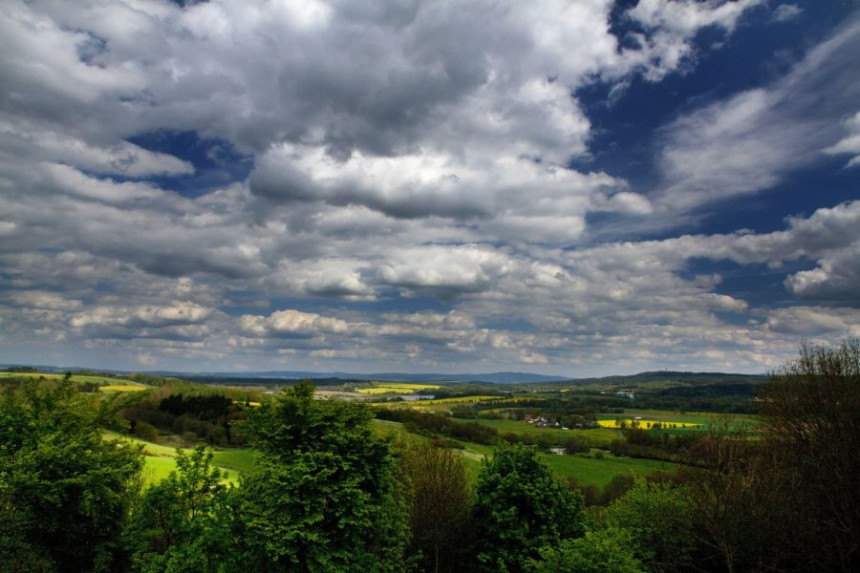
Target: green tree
440, 502
520, 507
182, 523
65, 492
325, 497
658, 522
597, 552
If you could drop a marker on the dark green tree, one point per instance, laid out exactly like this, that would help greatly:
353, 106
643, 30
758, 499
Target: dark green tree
598, 551
182, 524
521, 507
325, 497
65, 492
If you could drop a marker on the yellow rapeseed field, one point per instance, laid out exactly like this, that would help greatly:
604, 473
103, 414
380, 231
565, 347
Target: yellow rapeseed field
397, 388
123, 388
645, 424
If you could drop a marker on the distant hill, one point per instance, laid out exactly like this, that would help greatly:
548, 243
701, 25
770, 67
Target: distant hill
490, 378
656, 380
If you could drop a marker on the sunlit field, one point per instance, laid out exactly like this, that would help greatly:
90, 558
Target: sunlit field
397, 388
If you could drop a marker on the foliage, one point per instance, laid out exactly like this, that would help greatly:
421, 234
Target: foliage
597, 552
440, 502
435, 424
812, 405
181, 522
519, 508
64, 490
658, 519
325, 498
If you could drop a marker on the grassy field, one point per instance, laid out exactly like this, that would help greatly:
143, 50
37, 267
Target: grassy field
596, 437
585, 468
160, 460
102, 380
599, 472
105, 384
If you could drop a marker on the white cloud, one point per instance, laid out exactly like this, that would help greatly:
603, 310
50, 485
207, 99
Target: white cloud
786, 12
409, 155
751, 141
850, 144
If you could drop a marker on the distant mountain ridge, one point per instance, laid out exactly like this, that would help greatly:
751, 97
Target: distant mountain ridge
491, 377
691, 378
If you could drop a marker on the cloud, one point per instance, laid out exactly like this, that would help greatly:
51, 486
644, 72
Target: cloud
121, 158
816, 321
412, 202
751, 141
786, 12
850, 144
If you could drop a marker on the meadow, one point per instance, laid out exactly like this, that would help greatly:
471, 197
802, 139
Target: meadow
160, 460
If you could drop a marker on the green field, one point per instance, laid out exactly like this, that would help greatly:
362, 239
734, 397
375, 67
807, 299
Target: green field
599, 472
583, 467
107, 384
161, 460
595, 437
74, 378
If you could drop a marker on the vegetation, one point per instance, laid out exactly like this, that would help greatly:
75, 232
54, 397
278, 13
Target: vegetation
472, 485
521, 507
65, 492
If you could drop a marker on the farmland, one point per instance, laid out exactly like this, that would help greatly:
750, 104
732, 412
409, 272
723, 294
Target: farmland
160, 460
397, 388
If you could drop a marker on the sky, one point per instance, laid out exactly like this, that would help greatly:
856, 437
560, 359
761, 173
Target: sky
575, 188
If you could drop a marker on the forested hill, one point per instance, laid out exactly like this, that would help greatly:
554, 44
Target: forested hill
671, 378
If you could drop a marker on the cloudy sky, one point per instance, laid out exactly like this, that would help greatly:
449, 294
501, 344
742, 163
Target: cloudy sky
579, 187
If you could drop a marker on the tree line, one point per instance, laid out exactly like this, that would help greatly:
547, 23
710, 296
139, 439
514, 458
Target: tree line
331, 494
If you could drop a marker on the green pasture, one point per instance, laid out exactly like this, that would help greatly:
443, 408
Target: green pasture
75, 377
585, 468
734, 421
160, 460
595, 437
589, 470
107, 384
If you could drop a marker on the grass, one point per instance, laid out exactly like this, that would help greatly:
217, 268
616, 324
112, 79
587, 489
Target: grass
105, 384
735, 421
75, 378
160, 460
599, 472
595, 437
584, 468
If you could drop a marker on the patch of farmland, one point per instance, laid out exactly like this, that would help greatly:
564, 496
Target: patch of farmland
595, 437
160, 460
599, 472
646, 424
397, 388
79, 378
123, 388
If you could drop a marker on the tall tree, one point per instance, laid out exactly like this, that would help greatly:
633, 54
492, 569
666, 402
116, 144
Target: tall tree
65, 491
326, 497
440, 502
521, 507
812, 406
